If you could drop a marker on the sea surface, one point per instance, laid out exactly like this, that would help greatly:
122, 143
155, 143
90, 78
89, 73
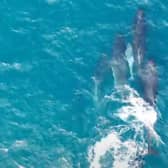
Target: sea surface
53, 113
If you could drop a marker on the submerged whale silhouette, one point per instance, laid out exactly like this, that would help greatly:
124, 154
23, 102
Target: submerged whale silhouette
146, 71
119, 63
139, 38
148, 76
102, 68
122, 62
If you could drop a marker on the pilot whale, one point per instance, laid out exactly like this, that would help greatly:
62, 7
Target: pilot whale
119, 64
102, 68
139, 38
148, 76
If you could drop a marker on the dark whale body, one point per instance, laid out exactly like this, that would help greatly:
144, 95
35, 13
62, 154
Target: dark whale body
102, 68
148, 76
146, 72
139, 38
119, 63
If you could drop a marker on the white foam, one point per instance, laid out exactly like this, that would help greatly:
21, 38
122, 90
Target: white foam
137, 114
7, 66
123, 153
4, 66
64, 163
20, 144
101, 148
137, 109
18, 165
4, 150
64, 160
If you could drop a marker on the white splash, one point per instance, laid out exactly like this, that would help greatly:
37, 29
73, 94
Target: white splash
4, 150
114, 76
7, 66
130, 59
137, 114
95, 90
137, 109
124, 153
4, 66
19, 165
20, 144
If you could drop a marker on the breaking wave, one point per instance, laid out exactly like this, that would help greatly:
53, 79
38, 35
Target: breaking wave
126, 145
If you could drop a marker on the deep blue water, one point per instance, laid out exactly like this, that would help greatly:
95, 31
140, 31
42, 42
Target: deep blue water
51, 116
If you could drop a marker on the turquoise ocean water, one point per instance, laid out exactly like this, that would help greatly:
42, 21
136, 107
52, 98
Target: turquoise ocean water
52, 113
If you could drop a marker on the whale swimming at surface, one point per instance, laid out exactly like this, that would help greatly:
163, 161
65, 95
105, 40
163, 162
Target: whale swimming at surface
119, 63
128, 60
146, 70
139, 38
148, 77
101, 68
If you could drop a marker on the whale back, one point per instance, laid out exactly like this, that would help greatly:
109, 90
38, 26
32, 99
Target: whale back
119, 64
149, 81
139, 40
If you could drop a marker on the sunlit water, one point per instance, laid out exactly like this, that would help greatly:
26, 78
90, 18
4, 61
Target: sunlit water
54, 114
